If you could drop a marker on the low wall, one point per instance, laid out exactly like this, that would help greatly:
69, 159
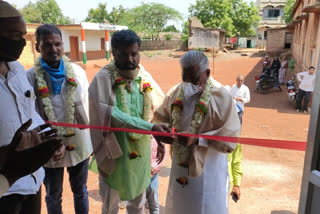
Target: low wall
160, 44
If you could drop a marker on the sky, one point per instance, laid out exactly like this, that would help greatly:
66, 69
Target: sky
78, 9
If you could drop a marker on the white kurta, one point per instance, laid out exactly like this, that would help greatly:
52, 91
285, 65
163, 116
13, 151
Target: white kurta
208, 193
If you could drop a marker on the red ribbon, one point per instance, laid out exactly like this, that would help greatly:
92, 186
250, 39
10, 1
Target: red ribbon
278, 144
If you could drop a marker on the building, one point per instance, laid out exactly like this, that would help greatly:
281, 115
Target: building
279, 40
306, 52
81, 42
271, 16
306, 33
201, 37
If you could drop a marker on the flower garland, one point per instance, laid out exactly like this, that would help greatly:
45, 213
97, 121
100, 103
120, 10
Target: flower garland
146, 88
181, 152
45, 96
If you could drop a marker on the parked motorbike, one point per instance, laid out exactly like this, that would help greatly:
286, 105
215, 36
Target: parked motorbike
266, 81
292, 92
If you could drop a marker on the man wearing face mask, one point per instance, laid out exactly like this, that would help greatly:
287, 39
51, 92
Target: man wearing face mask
16, 108
199, 105
124, 95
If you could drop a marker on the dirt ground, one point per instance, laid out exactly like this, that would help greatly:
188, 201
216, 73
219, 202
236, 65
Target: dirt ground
272, 177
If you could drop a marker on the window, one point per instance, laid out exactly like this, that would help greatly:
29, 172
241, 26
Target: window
102, 44
265, 35
273, 13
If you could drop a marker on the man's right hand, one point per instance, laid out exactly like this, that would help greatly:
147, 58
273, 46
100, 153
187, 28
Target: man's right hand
165, 129
15, 164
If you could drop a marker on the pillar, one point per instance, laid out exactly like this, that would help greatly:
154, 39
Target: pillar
83, 43
107, 44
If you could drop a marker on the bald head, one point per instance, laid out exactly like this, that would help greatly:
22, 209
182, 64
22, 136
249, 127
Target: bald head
8, 11
240, 80
13, 29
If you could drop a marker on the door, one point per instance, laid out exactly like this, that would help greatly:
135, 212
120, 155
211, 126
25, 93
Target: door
288, 40
74, 48
310, 189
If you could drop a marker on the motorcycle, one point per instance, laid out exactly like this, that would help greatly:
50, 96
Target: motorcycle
292, 92
266, 81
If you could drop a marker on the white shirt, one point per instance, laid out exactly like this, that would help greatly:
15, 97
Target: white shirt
243, 93
81, 139
307, 81
15, 109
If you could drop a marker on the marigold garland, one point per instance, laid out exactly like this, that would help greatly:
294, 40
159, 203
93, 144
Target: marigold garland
181, 152
145, 88
45, 96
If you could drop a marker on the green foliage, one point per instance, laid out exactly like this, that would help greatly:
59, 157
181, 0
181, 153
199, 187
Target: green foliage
117, 15
44, 11
233, 16
31, 13
51, 12
288, 11
185, 33
168, 36
99, 14
150, 19
170, 28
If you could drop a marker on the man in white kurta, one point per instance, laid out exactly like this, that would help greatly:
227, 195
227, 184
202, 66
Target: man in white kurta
206, 168
241, 94
67, 96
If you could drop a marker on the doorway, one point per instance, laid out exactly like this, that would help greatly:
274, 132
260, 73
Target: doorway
74, 48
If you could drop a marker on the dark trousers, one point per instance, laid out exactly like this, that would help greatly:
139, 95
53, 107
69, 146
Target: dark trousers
53, 182
306, 95
21, 204
240, 114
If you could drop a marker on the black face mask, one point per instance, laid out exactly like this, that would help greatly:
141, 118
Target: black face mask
10, 50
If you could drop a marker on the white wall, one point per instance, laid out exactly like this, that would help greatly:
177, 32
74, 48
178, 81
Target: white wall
92, 37
66, 40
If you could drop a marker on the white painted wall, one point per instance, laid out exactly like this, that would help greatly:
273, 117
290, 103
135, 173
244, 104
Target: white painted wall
66, 40
92, 37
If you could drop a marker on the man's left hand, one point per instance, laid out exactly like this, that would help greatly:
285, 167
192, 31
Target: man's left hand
187, 141
236, 191
160, 152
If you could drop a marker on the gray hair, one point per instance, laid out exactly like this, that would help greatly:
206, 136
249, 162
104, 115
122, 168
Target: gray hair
194, 58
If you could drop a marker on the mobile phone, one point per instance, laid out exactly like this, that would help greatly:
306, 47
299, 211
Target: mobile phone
235, 197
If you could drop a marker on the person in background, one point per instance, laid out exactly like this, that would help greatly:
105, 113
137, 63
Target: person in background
61, 88
234, 164
157, 157
235, 171
306, 86
241, 93
276, 65
266, 61
283, 70
40, 145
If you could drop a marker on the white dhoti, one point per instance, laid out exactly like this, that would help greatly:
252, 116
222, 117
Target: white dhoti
206, 194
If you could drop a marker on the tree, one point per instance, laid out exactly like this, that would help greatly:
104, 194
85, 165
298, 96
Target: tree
31, 13
44, 11
51, 12
117, 15
150, 18
245, 18
170, 28
100, 14
288, 11
233, 16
